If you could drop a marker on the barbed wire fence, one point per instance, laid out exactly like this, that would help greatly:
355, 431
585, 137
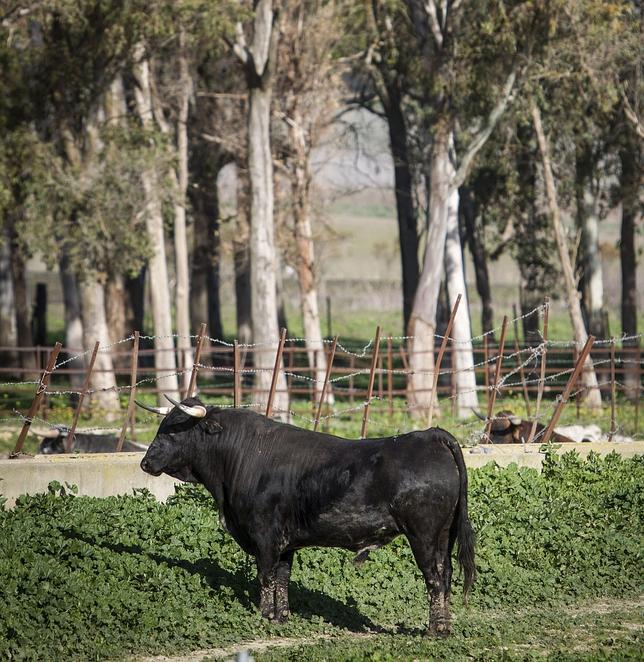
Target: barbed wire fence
230, 376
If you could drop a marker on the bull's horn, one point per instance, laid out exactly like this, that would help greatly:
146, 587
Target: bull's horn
478, 414
198, 411
49, 433
515, 420
161, 411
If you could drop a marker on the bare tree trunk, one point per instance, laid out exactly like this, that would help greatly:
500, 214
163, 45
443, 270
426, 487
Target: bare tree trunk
403, 188
73, 321
262, 248
259, 62
95, 329
301, 188
588, 377
241, 249
8, 331
463, 357
204, 290
476, 244
115, 314
422, 323
135, 301
23, 317
180, 238
591, 282
630, 182
164, 357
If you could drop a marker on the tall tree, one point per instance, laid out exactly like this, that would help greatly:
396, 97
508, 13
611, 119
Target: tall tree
308, 92
159, 281
588, 378
258, 59
438, 28
390, 79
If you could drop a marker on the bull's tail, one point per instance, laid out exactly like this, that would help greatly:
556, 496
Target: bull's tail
464, 533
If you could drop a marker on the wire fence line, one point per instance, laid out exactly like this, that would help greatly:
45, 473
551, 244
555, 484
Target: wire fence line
385, 360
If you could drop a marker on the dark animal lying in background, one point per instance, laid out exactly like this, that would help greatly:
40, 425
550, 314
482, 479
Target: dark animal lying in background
507, 428
280, 488
84, 442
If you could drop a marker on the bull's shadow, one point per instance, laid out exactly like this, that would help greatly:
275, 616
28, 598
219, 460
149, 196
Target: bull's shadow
304, 602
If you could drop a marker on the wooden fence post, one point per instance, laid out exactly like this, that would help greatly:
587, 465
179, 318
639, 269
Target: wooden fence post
612, 430
134, 364
33, 409
542, 373
638, 358
575, 356
278, 359
329, 363
486, 370
566, 394
374, 362
390, 377
497, 374
526, 396
236, 376
195, 366
437, 368
69, 440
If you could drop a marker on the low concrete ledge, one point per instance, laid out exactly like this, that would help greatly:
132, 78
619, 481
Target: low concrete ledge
95, 474
109, 474
528, 455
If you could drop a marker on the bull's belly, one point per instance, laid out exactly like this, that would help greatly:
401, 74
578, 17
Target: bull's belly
354, 530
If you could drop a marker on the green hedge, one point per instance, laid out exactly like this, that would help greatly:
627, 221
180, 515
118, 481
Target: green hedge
90, 578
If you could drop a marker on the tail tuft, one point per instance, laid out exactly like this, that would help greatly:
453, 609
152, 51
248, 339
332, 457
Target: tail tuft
465, 535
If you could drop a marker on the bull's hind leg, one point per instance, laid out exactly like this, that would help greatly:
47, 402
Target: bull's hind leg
282, 577
431, 554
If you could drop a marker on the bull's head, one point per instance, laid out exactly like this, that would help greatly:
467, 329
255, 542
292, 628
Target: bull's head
173, 446
53, 439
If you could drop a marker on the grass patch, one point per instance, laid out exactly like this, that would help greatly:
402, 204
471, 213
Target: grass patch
86, 578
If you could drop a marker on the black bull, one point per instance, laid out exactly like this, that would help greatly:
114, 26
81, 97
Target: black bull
280, 488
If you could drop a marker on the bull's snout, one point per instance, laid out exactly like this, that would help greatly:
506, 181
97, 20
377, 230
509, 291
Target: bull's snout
145, 465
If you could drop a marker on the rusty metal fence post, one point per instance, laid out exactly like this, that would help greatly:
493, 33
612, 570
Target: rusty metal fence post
69, 440
329, 363
195, 366
129, 417
611, 432
566, 394
367, 404
437, 368
497, 374
278, 360
542, 373
33, 409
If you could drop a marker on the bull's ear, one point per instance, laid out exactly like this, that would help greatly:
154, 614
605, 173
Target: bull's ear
212, 426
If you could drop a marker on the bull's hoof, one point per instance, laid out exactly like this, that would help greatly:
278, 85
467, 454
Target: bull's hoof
438, 630
282, 616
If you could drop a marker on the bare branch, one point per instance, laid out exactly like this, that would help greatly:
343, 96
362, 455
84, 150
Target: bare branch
632, 117
481, 137
434, 24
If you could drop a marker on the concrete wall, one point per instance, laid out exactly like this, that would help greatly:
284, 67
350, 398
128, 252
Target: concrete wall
108, 474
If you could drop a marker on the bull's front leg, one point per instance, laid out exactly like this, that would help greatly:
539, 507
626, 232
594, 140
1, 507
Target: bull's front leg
282, 577
267, 563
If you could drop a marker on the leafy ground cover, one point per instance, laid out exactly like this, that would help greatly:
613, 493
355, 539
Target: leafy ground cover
85, 578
